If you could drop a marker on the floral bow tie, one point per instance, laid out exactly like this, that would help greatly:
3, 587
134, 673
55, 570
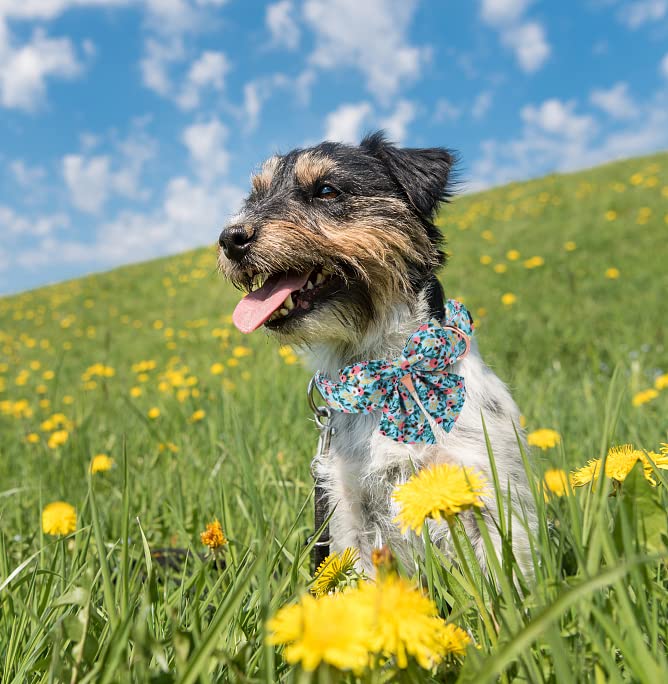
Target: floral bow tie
408, 388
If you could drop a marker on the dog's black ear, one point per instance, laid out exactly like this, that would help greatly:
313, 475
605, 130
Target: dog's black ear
422, 173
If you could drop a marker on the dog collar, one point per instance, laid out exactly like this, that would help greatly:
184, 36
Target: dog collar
415, 390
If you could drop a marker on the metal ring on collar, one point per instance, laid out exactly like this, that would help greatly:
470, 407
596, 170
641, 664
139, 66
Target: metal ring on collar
319, 412
324, 542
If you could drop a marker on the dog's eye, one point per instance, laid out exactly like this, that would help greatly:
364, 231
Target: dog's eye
327, 192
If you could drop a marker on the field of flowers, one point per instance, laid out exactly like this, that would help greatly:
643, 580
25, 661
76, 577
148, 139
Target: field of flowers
155, 495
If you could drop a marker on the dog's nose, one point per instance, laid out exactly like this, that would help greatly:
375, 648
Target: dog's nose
235, 241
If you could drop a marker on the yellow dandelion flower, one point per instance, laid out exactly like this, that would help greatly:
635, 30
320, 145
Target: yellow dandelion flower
534, 262
169, 446
240, 352
636, 179
57, 438
485, 260
406, 623
136, 392
588, 472
612, 273
661, 382
198, 415
58, 518
153, 413
500, 268
213, 536
512, 255
640, 398
32, 438
508, 299
570, 246
453, 640
610, 215
217, 368
556, 481
68, 400
487, 235
333, 629
100, 463
333, 570
619, 462
659, 461
232, 362
437, 492
544, 438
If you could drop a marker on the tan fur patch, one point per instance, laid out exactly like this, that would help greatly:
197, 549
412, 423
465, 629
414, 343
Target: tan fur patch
311, 167
262, 181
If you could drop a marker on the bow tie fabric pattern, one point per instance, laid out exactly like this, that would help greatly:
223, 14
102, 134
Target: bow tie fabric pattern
391, 386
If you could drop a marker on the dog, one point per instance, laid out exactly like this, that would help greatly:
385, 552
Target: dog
337, 247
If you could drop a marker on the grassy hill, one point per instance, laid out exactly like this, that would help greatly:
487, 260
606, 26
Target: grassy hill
566, 277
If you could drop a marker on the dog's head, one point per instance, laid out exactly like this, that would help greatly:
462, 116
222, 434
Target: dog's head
333, 235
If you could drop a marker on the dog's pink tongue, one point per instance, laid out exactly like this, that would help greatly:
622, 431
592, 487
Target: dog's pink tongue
255, 308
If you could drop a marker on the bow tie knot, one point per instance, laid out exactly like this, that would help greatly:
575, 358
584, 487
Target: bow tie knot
413, 389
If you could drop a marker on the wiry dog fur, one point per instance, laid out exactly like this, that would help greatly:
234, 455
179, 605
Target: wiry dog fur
374, 231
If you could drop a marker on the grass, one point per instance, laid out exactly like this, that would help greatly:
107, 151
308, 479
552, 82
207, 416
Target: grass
575, 346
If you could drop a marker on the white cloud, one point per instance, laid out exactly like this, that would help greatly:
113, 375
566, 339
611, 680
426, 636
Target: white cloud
88, 181
25, 175
616, 101
344, 124
558, 118
497, 12
190, 215
527, 39
154, 65
446, 110
635, 14
25, 69
207, 72
256, 93
168, 23
663, 67
13, 223
481, 104
529, 43
50, 9
370, 36
396, 123
92, 180
557, 138
206, 147
252, 105
282, 25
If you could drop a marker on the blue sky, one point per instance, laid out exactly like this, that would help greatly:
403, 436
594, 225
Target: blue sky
129, 128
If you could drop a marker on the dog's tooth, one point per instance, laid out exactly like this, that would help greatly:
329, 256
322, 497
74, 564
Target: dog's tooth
289, 304
283, 311
319, 278
309, 285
